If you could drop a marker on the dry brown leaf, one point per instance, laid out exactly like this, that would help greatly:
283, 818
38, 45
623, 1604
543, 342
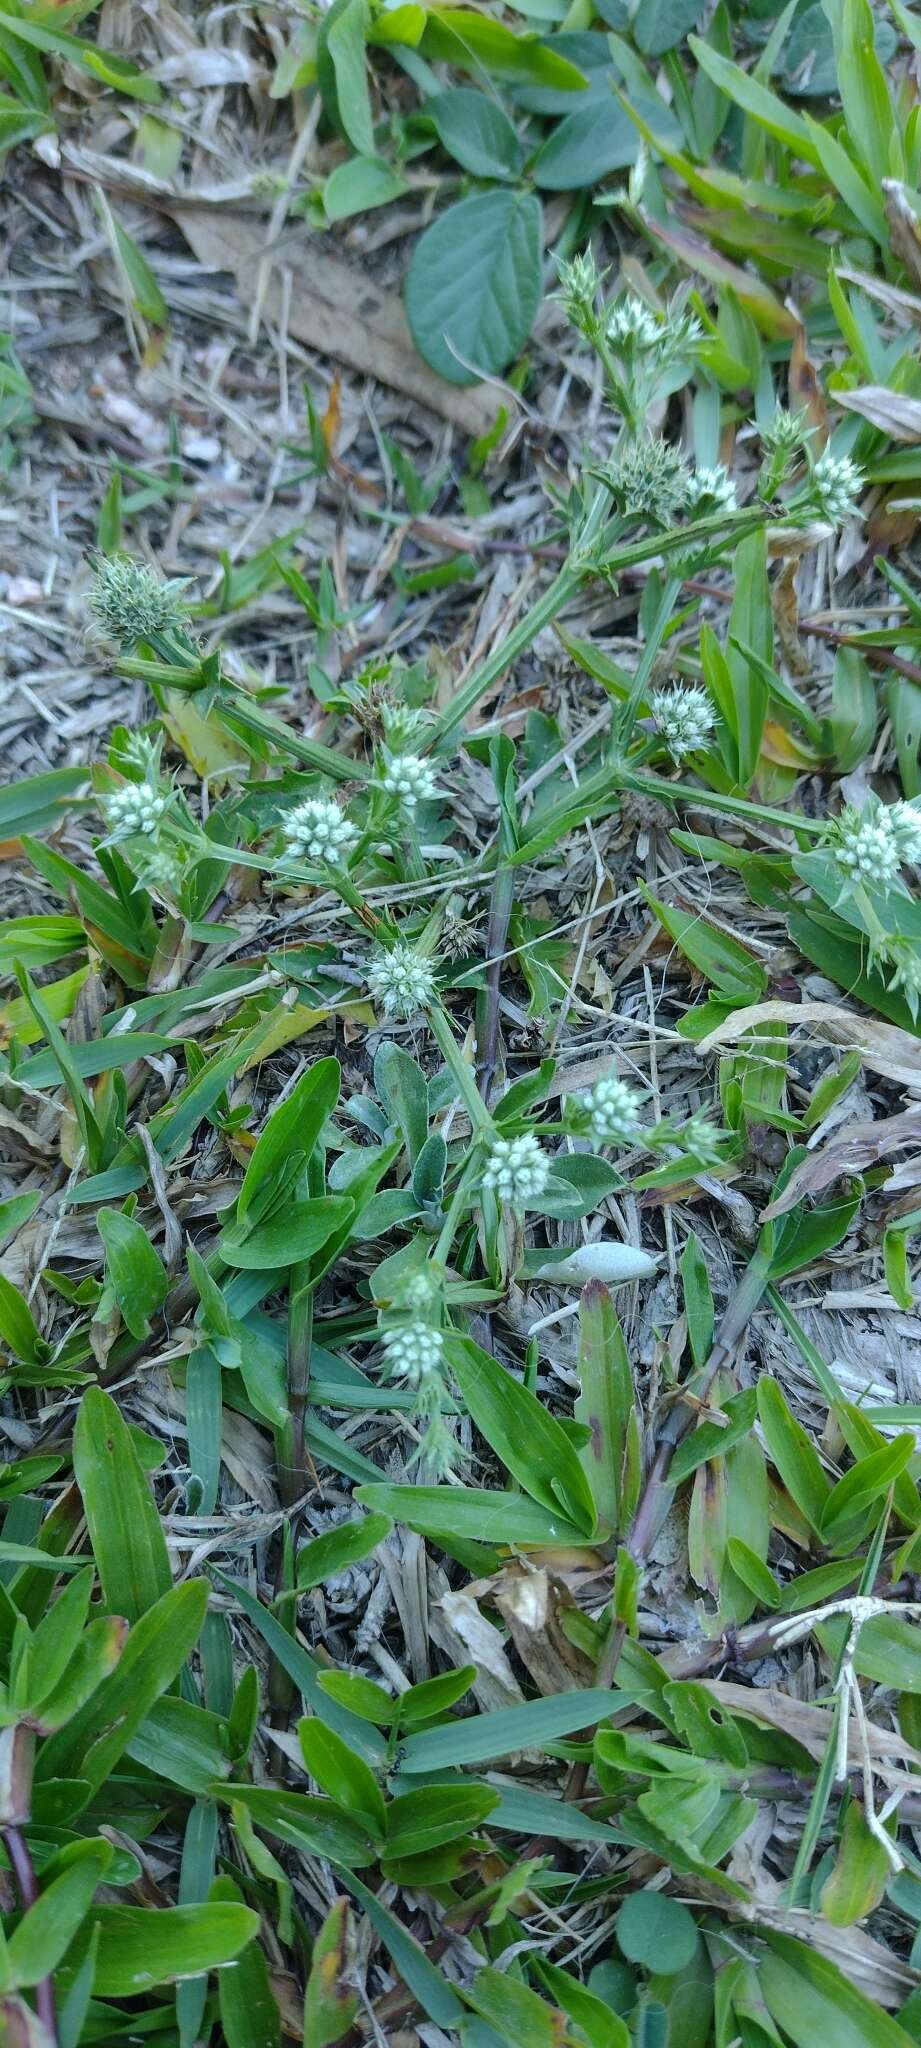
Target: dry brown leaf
884, 1048
530, 1603
805, 391
859, 1146
894, 414
334, 309
458, 1627
811, 1726
904, 226
904, 306
785, 607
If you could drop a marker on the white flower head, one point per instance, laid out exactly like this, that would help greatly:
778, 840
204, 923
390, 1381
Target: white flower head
614, 1111
401, 979
131, 602
411, 778
413, 1352
136, 808
835, 483
711, 490
903, 962
318, 830
516, 1168
630, 327
870, 845
684, 717
905, 819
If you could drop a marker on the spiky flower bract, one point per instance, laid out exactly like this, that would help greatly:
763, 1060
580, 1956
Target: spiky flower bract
684, 717
131, 603
516, 1168
318, 830
580, 283
647, 480
401, 979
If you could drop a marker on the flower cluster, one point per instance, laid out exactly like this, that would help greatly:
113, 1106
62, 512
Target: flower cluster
900, 960
710, 491
614, 1111
874, 844
400, 979
517, 1169
413, 1352
701, 1138
834, 485
318, 830
631, 329
647, 480
580, 283
684, 717
138, 807
411, 778
785, 432
130, 602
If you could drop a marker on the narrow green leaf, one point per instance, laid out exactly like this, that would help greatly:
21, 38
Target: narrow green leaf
125, 1531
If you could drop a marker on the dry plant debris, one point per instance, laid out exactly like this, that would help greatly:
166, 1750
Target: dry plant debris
459, 1034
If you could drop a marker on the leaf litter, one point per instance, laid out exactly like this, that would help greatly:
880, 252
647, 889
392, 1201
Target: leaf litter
504, 1520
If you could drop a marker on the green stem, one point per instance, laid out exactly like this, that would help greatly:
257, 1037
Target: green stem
558, 594
626, 718
714, 800
584, 560
463, 1073
292, 1473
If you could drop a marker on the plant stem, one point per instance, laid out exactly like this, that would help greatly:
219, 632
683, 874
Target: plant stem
626, 718
17, 1849
292, 1470
714, 800
461, 1070
581, 563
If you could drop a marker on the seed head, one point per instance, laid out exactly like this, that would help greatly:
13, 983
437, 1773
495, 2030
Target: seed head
648, 480
318, 830
413, 1352
614, 1110
411, 778
131, 602
401, 979
517, 1168
835, 483
684, 717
